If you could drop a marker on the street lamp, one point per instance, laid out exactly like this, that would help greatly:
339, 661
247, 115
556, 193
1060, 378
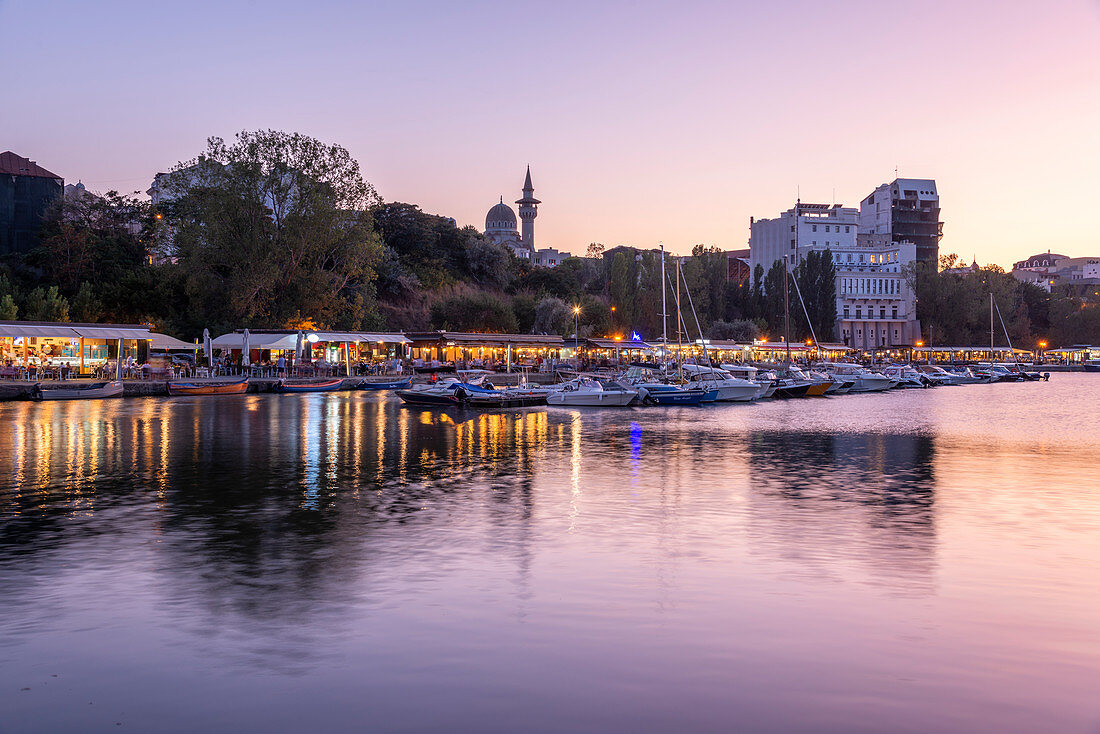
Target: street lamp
576, 336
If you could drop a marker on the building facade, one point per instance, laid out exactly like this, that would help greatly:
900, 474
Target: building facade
907, 209
875, 305
1049, 271
26, 191
797, 231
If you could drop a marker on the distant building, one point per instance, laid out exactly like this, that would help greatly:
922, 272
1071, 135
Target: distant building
800, 230
874, 304
26, 191
501, 228
962, 269
1049, 271
907, 209
737, 266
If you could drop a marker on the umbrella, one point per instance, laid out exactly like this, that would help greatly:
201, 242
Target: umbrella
207, 348
246, 352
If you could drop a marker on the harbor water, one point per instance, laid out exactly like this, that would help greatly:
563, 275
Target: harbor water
912, 561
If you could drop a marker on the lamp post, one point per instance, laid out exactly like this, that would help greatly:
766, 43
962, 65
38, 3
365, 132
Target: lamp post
1042, 347
577, 337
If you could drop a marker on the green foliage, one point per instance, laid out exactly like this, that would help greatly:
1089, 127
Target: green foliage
741, 330
8, 310
46, 304
86, 306
553, 316
524, 305
477, 311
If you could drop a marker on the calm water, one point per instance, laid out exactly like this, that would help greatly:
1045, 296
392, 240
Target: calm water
912, 561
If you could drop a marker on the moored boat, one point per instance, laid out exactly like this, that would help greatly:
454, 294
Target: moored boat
18, 391
404, 384
297, 387
90, 391
585, 392
235, 387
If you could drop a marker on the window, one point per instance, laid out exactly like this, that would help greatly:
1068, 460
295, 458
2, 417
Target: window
859, 312
815, 228
792, 244
882, 313
849, 257
894, 315
845, 312
792, 227
861, 257
815, 242
826, 228
847, 230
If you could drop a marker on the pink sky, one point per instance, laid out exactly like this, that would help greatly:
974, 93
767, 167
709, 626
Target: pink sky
642, 122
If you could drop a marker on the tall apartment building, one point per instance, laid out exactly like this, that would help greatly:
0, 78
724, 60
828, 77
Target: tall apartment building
26, 191
908, 210
799, 230
874, 304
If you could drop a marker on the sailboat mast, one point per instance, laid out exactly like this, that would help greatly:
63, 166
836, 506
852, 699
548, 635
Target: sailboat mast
679, 317
786, 312
664, 306
991, 326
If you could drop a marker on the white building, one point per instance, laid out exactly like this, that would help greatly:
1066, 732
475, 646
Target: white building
797, 231
907, 209
874, 304
1048, 270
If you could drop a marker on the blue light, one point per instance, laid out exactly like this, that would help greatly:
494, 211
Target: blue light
635, 336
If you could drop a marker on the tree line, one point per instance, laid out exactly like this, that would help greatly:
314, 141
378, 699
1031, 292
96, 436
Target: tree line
279, 230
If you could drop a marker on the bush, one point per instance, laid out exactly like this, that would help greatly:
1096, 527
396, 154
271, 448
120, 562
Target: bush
477, 311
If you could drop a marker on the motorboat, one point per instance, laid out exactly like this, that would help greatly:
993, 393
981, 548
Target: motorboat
818, 385
938, 375
839, 386
905, 376
589, 392
765, 381
865, 379
235, 387
449, 392
88, 391
18, 391
653, 389
298, 387
729, 388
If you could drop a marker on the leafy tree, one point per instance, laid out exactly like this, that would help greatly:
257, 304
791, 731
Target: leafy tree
524, 305
553, 316
86, 306
478, 312
46, 304
8, 310
271, 225
742, 330
595, 250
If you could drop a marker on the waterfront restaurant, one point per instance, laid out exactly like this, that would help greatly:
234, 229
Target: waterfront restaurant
969, 355
333, 347
47, 349
465, 350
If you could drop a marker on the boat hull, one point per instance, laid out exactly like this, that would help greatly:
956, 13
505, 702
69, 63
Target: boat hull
208, 388
92, 392
327, 386
394, 385
424, 397
591, 400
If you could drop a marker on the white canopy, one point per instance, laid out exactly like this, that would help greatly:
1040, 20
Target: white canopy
69, 331
163, 342
255, 341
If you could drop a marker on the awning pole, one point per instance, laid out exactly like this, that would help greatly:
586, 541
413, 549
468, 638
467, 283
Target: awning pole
347, 358
118, 362
82, 355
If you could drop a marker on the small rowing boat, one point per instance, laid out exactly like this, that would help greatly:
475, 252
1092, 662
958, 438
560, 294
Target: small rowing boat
326, 386
393, 385
90, 391
208, 388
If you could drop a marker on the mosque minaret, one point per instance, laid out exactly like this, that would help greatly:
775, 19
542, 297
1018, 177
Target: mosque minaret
501, 227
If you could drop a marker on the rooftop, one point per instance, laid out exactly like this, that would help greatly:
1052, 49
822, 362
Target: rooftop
12, 164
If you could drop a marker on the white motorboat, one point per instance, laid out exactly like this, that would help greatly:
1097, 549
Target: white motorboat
728, 387
765, 381
905, 375
590, 393
865, 379
938, 375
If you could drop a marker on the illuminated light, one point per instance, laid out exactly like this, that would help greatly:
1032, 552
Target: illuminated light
576, 310
920, 344
312, 338
160, 216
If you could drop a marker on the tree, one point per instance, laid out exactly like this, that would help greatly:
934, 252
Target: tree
46, 304
474, 312
595, 250
742, 331
622, 285
272, 225
86, 306
553, 316
8, 310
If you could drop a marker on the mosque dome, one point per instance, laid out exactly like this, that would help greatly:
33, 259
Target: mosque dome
500, 217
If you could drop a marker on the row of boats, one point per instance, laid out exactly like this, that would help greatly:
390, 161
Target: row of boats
691, 384
114, 388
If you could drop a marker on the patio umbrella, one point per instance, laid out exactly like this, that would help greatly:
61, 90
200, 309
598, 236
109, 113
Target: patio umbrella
207, 348
246, 351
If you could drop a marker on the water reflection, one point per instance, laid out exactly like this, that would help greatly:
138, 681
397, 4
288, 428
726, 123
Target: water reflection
682, 553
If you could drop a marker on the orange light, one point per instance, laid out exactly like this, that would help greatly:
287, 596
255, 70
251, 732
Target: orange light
920, 344
160, 216
1042, 345
809, 343
618, 337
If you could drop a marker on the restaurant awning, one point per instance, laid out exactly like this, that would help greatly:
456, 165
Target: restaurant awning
35, 329
163, 342
603, 343
256, 340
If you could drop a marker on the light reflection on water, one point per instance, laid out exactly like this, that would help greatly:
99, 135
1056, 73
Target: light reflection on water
913, 561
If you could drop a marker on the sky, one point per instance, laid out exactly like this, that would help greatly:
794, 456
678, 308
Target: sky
643, 122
